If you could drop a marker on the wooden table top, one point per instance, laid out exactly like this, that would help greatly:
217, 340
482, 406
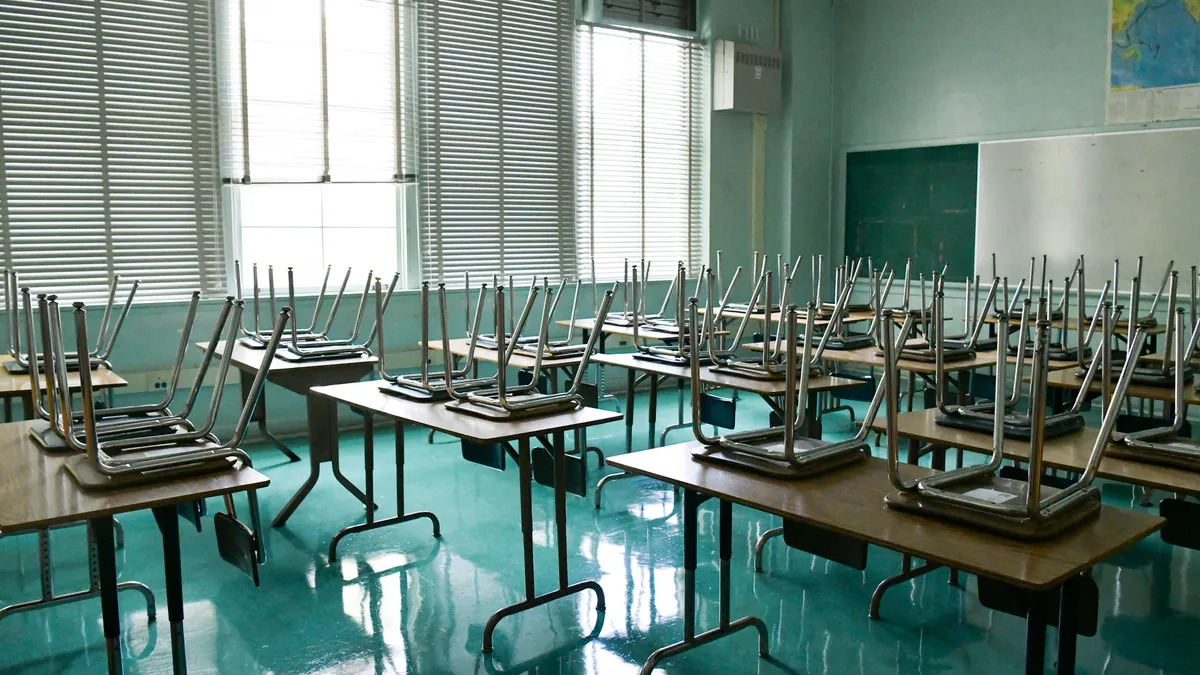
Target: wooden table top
1067, 452
1120, 329
749, 384
851, 501
867, 356
851, 317
460, 347
37, 490
437, 416
12, 385
1066, 379
644, 333
245, 358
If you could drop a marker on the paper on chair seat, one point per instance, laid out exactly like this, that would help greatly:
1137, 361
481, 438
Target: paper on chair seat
990, 495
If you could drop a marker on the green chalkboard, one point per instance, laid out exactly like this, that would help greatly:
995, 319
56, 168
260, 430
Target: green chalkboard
916, 202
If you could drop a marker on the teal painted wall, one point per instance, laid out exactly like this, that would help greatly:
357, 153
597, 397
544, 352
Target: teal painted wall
934, 72
808, 176
730, 143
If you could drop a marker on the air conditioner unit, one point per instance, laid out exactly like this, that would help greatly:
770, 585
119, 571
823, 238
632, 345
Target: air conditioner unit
747, 78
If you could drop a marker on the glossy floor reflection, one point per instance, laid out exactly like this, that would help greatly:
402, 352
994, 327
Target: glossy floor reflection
400, 601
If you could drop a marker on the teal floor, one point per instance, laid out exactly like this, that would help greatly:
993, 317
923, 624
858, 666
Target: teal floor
400, 601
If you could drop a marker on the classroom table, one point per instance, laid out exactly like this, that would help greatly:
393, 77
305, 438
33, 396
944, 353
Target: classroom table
848, 505
1068, 453
299, 377
367, 397
870, 357
1121, 329
801, 314
37, 492
607, 329
769, 389
17, 385
461, 346
1069, 379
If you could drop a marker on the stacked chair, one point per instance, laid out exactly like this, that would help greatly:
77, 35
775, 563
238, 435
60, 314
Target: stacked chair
779, 452
105, 341
493, 397
1164, 444
427, 386
498, 399
919, 344
137, 445
978, 497
309, 344
981, 417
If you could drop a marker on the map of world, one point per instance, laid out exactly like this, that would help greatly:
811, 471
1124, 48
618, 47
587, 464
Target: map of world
1154, 65
1155, 43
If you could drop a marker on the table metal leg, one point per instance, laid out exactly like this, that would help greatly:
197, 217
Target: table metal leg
662, 438
691, 502
908, 574
532, 600
652, 412
630, 386
26, 405
259, 416
1068, 620
323, 447
1035, 635
46, 576
106, 570
369, 461
168, 525
762, 544
812, 420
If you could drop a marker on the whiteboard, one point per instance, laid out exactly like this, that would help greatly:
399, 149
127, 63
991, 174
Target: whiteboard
1107, 196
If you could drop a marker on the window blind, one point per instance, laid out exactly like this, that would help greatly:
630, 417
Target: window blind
678, 14
107, 146
496, 137
640, 150
317, 90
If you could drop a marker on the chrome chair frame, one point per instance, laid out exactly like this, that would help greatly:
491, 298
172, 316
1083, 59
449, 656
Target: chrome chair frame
986, 505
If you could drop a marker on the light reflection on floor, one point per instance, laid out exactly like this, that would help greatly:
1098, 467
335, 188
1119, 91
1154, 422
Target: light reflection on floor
400, 601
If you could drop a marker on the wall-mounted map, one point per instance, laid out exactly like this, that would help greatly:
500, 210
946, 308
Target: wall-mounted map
1154, 64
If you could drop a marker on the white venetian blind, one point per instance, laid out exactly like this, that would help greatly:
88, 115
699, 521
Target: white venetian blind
496, 137
107, 145
640, 150
316, 90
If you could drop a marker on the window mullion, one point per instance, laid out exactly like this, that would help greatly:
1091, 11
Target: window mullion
642, 137
397, 87
325, 177
245, 86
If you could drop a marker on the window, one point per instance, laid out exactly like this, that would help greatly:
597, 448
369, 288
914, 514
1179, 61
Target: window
496, 138
639, 150
318, 153
108, 158
676, 14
